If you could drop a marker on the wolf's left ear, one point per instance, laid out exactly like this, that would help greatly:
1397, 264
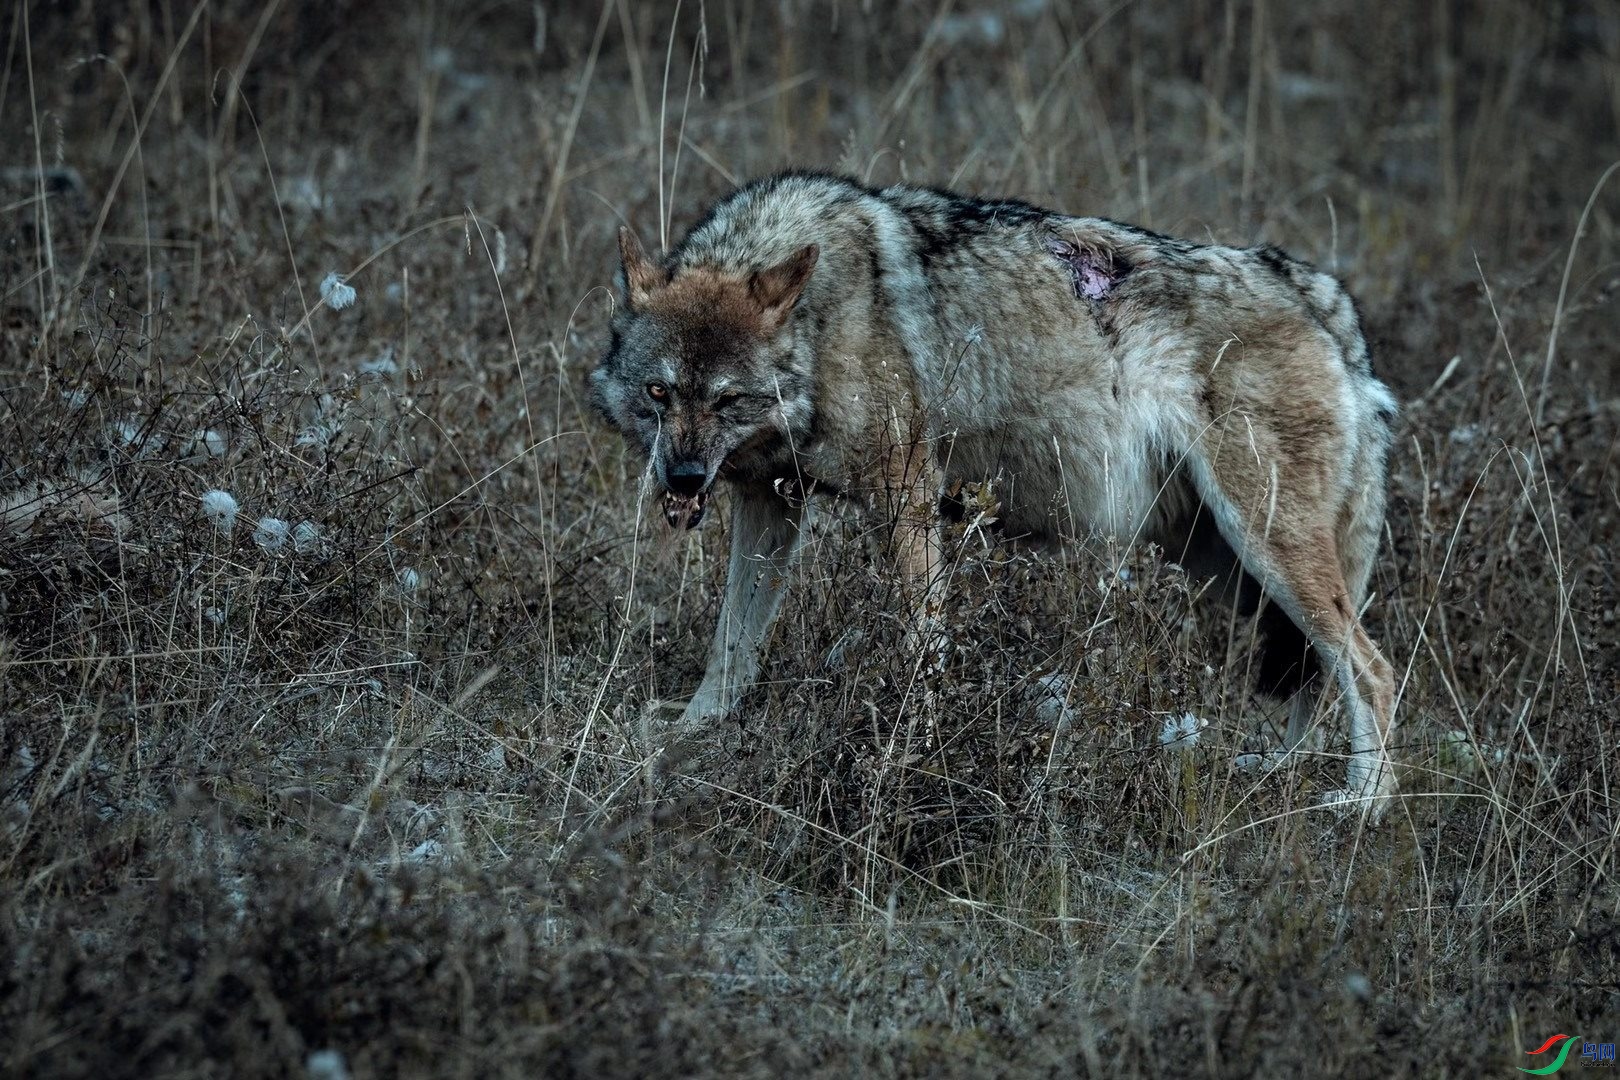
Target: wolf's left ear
778, 288
641, 275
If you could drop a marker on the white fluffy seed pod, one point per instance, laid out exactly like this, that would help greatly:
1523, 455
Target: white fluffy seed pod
271, 533
337, 293
305, 535
220, 508
1182, 732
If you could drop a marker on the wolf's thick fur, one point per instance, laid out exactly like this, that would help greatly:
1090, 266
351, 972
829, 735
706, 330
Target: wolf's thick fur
812, 335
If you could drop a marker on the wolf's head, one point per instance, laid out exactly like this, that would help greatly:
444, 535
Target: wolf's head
705, 369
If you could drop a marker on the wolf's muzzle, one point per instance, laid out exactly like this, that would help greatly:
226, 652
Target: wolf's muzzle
687, 477
687, 484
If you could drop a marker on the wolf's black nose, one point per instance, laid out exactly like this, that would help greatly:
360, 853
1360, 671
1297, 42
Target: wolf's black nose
686, 477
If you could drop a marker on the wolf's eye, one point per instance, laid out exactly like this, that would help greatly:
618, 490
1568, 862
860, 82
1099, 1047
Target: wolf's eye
657, 391
726, 401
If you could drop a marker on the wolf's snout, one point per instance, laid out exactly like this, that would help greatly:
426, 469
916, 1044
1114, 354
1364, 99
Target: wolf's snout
687, 477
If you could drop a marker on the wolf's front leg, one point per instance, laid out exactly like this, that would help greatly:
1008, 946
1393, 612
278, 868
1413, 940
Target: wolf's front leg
917, 558
766, 532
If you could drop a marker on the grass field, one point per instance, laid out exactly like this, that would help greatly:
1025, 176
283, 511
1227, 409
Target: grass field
345, 769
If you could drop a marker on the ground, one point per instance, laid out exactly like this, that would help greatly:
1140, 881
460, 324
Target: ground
347, 768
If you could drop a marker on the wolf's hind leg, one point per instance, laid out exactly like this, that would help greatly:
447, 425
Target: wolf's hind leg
1304, 577
1283, 518
1290, 671
766, 534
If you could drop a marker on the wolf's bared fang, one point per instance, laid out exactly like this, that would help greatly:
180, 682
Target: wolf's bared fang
815, 336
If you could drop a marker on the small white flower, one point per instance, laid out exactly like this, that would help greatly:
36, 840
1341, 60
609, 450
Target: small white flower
304, 193
408, 580
317, 435
323, 423
326, 1065
135, 439
220, 508
381, 365
271, 533
210, 442
978, 28
1120, 579
1181, 732
337, 293
428, 851
305, 535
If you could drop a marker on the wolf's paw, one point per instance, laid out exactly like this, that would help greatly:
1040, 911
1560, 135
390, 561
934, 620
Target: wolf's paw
709, 706
930, 642
1266, 761
665, 723
1370, 802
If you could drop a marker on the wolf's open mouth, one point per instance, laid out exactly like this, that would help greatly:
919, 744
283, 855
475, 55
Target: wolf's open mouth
684, 511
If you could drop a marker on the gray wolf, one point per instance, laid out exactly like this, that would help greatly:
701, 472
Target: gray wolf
814, 336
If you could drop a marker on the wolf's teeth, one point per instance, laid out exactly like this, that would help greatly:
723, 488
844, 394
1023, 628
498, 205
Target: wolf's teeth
684, 511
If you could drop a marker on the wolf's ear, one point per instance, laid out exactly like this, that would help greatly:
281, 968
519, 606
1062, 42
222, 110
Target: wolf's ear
777, 289
642, 276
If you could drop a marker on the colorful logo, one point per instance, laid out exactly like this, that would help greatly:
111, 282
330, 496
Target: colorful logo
1557, 1062
1591, 1053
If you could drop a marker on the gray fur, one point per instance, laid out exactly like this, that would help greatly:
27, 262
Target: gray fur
1113, 380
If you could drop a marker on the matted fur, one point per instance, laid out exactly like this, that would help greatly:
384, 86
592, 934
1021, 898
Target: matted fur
815, 335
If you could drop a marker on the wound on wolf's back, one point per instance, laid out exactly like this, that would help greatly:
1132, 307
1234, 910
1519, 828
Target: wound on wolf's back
1093, 274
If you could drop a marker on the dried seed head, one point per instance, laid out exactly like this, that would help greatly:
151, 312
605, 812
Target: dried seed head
305, 535
337, 293
220, 508
271, 533
1182, 732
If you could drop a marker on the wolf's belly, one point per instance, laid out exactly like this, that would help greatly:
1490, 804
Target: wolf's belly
1061, 484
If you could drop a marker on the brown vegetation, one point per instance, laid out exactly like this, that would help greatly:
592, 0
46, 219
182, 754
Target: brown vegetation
373, 778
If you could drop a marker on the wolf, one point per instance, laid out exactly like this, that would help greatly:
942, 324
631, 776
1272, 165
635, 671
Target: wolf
812, 336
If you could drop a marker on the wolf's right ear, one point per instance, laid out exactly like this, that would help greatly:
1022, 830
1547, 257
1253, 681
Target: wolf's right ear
777, 288
642, 276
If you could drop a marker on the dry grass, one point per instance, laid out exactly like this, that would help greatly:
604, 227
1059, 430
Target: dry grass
384, 790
